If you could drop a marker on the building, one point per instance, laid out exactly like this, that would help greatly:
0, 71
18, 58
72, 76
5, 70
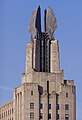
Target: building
43, 93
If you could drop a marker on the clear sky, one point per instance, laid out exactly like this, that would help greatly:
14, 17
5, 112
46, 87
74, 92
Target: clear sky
14, 20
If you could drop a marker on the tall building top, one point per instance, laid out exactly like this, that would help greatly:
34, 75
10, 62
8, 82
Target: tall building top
50, 23
44, 58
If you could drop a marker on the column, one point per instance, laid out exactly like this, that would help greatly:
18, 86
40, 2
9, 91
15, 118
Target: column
53, 106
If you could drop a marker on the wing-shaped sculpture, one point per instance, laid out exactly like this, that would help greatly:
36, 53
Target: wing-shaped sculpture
51, 23
35, 23
31, 27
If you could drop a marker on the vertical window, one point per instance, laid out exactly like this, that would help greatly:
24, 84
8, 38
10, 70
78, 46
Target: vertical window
66, 116
6, 113
65, 81
41, 105
49, 106
49, 116
31, 92
66, 94
32, 115
57, 116
66, 106
31, 105
57, 106
0, 116
12, 110
41, 115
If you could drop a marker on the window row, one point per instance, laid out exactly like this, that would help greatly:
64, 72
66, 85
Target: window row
40, 117
49, 106
11, 119
6, 113
49, 116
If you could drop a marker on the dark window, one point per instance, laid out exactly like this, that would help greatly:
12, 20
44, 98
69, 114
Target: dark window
47, 86
31, 92
49, 106
66, 94
12, 110
31, 105
57, 116
32, 115
0, 116
65, 81
41, 106
66, 116
6, 113
66, 107
57, 106
49, 116
41, 115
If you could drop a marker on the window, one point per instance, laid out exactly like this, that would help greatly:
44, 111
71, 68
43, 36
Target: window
6, 113
41, 106
66, 94
31, 105
49, 116
66, 107
57, 106
32, 115
41, 115
12, 110
65, 81
66, 116
31, 92
57, 116
0, 116
49, 106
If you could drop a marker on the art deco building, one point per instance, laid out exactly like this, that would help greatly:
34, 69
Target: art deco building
43, 93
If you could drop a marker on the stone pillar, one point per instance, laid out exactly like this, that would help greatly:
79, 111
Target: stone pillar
28, 58
20, 108
45, 105
17, 107
74, 102
54, 58
36, 54
53, 106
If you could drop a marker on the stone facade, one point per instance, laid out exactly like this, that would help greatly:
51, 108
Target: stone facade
42, 95
7, 111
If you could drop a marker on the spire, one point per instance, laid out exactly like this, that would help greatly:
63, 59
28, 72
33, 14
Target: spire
38, 20
43, 52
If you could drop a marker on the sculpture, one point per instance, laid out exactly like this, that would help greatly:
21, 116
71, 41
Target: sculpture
50, 23
43, 39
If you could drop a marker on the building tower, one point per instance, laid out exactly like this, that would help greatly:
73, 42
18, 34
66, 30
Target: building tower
43, 94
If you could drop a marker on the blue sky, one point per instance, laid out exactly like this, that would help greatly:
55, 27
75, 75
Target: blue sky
14, 20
